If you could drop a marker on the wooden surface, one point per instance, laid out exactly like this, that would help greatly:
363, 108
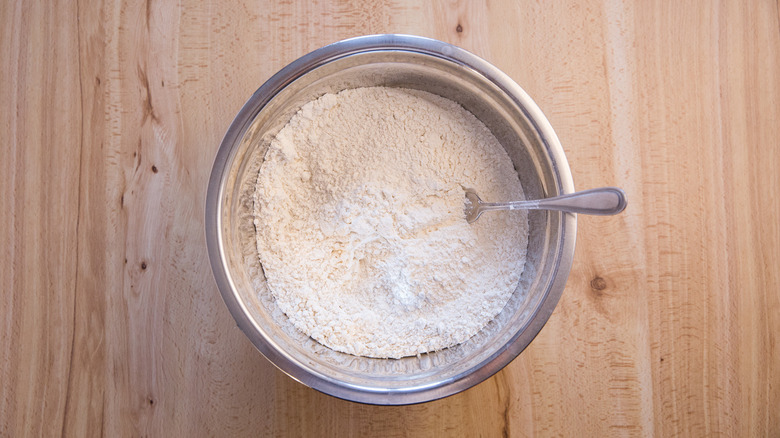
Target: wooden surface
110, 320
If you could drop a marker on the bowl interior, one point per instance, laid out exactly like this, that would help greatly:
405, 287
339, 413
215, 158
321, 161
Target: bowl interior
433, 374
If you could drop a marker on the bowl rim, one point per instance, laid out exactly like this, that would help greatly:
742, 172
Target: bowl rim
215, 197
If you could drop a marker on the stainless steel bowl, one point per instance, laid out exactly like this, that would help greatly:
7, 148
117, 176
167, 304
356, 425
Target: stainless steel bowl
394, 61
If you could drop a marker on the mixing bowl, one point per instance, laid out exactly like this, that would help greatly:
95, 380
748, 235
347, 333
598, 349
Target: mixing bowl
392, 61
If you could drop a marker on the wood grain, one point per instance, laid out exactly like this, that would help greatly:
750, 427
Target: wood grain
110, 321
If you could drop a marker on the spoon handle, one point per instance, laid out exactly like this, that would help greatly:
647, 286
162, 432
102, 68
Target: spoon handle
602, 201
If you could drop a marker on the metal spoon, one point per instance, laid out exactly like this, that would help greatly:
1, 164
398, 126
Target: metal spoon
603, 201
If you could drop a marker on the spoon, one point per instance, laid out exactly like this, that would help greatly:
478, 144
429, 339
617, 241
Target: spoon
603, 201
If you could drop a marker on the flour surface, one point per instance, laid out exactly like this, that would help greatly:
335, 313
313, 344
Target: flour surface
360, 224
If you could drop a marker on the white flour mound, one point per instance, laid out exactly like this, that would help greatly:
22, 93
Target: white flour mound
360, 223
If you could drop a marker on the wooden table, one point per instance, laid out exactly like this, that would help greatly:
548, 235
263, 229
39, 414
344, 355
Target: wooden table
111, 323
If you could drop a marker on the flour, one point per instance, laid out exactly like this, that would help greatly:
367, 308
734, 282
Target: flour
360, 224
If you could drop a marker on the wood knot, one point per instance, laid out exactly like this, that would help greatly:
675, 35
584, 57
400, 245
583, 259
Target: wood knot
143, 266
598, 283
154, 168
459, 28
